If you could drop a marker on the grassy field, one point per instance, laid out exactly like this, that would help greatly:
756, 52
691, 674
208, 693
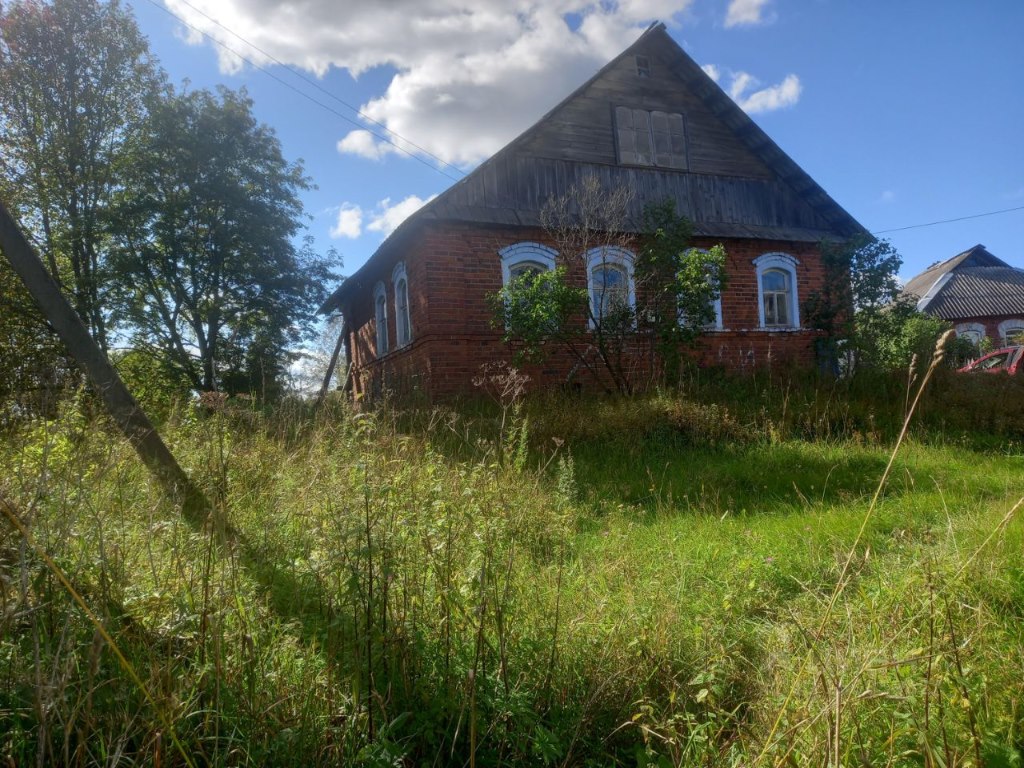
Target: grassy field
670, 580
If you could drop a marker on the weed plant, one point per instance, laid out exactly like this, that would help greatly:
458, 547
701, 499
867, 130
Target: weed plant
553, 581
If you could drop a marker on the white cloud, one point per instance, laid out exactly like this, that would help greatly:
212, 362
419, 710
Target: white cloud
785, 94
468, 76
746, 12
712, 71
387, 216
363, 144
350, 222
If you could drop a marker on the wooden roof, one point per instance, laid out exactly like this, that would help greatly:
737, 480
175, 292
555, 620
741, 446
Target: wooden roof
974, 283
735, 183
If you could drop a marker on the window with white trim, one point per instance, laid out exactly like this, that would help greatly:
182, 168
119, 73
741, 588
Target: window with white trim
778, 304
403, 323
650, 138
609, 280
717, 323
973, 332
1012, 331
380, 314
525, 258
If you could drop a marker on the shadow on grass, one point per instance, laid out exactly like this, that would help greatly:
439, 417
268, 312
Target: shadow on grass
754, 479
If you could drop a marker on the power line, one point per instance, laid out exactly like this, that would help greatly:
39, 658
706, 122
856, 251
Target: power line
305, 95
397, 135
320, 88
949, 221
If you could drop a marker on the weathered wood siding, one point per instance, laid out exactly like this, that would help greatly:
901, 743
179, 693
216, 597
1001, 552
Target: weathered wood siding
513, 189
583, 129
726, 189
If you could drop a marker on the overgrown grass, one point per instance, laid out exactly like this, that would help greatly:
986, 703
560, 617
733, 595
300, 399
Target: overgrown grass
634, 582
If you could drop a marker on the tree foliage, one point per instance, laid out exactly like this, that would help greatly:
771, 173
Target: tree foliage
863, 313
76, 80
680, 283
32, 361
204, 230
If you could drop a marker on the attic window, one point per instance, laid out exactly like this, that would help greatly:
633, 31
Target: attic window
650, 138
643, 66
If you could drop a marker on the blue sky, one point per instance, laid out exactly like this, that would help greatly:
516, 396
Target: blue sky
905, 112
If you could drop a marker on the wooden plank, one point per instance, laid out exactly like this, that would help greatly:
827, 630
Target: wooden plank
120, 404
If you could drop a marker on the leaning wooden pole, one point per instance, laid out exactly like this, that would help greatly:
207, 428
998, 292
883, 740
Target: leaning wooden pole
325, 387
119, 402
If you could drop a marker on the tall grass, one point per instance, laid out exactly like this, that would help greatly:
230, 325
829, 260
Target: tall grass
633, 582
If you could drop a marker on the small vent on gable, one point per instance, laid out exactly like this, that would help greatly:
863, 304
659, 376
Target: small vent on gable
643, 66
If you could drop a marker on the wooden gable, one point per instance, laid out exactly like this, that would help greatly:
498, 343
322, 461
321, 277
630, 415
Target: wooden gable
583, 128
733, 180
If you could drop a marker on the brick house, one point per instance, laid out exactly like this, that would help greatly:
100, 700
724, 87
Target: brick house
416, 316
980, 294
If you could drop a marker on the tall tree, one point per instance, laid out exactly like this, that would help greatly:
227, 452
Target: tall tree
76, 77
205, 235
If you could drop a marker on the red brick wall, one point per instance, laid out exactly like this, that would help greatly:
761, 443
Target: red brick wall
452, 268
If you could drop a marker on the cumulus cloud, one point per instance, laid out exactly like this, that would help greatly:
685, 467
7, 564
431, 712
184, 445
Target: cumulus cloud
712, 71
363, 144
387, 216
349, 223
745, 12
746, 92
467, 76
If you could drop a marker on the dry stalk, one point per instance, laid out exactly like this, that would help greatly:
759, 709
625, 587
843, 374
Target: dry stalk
937, 357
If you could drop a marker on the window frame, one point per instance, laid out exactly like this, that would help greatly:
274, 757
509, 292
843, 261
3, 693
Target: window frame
781, 262
1008, 326
380, 317
966, 331
526, 251
608, 255
399, 276
676, 162
718, 324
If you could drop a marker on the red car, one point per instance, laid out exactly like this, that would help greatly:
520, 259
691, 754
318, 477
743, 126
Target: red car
1008, 359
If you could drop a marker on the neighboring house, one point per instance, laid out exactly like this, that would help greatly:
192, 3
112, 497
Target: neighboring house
981, 295
416, 315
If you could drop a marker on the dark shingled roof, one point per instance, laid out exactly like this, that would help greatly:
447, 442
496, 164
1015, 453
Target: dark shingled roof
470, 199
974, 283
980, 292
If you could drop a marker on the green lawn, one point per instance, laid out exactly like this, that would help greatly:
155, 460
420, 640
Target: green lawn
647, 582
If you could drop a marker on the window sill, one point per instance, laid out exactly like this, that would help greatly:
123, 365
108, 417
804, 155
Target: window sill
394, 351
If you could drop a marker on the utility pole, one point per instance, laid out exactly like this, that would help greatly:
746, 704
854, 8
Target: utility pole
119, 402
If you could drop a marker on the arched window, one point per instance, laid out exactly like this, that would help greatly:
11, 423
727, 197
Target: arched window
609, 280
523, 258
973, 332
778, 305
1012, 331
380, 313
403, 322
717, 323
